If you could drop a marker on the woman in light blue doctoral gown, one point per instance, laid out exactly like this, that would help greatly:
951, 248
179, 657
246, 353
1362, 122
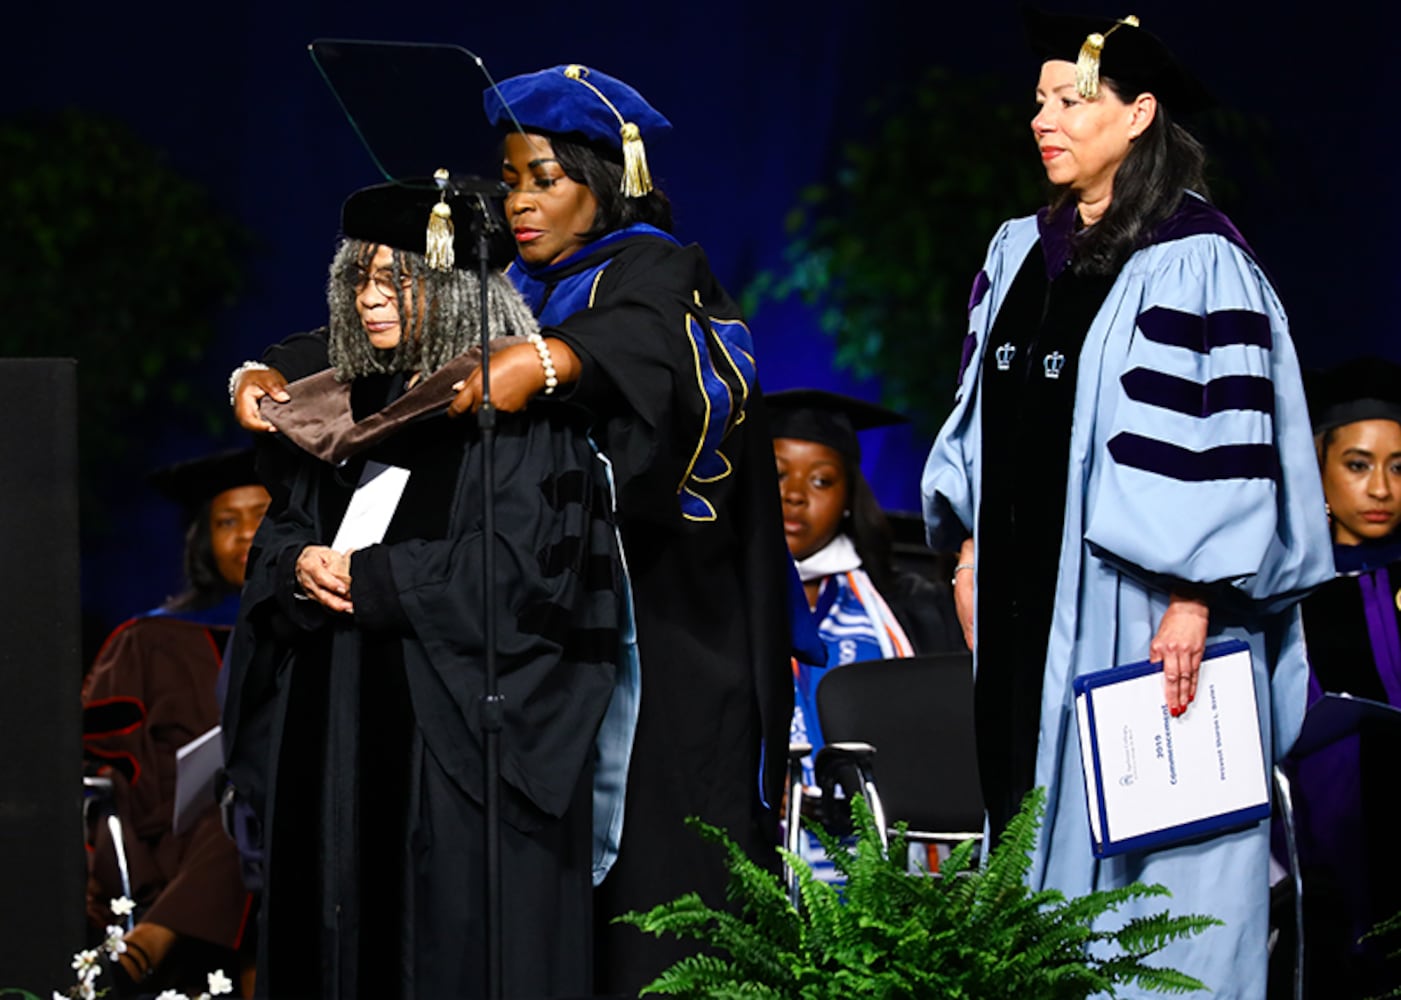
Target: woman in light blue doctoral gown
1127, 355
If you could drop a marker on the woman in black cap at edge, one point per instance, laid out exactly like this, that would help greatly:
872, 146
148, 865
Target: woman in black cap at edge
641, 338
1343, 808
356, 671
152, 690
1127, 473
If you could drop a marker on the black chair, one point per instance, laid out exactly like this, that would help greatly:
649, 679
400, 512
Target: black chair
1333, 717
911, 723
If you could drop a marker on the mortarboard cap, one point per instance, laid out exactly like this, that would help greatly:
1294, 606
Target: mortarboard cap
1119, 49
1362, 389
828, 418
195, 481
577, 100
408, 215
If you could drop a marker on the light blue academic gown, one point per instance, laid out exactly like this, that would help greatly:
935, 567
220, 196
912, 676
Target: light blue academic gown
1191, 459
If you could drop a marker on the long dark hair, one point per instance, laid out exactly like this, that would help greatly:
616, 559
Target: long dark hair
205, 585
1164, 161
868, 528
600, 169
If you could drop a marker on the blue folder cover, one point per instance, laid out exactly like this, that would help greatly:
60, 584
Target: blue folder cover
1153, 780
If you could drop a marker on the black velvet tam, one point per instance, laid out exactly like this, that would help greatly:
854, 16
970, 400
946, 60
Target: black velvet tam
1361, 389
191, 483
396, 215
1135, 59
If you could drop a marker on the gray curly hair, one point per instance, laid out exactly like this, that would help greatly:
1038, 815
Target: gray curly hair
444, 321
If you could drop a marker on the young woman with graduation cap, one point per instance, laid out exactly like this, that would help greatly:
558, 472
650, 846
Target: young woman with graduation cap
152, 690
1344, 814
841, 542
863, 608
640, 338
1127, 471
354, 717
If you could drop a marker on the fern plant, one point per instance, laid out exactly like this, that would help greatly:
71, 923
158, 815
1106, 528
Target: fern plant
1388, 930
973, 932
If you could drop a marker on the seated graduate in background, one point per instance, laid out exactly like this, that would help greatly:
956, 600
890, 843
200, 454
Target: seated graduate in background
151, 691
1352, 625
354, 720
841, 541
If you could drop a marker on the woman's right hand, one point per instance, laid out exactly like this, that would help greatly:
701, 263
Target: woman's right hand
324, 576
963, 590
251, 386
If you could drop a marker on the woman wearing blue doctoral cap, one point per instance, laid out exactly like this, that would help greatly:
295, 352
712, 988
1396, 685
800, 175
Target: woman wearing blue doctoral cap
1128, 356
639, 335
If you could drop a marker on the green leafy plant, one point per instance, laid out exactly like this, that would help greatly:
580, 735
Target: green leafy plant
887, 249
1388, 929
119, 260
977, 933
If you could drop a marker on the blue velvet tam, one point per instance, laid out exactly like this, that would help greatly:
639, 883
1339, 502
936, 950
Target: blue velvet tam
577, 100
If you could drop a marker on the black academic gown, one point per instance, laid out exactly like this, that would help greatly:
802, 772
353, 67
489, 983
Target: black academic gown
926, 611
1344, 816
1026, 443
359, 738
671, 402
703, 536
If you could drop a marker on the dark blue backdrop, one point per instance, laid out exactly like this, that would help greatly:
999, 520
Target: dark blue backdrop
761, 95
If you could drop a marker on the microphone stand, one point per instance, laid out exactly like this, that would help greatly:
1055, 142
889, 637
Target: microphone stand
493, 704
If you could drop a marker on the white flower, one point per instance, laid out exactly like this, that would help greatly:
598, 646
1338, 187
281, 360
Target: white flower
122, 906
114, 945
86, 990
219, 983
171, 995
84, 962
60, 996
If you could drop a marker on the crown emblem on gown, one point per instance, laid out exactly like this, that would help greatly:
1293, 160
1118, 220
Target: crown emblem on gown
1053, 363
1004, 356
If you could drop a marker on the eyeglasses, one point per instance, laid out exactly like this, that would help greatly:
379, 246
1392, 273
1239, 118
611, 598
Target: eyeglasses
388, 283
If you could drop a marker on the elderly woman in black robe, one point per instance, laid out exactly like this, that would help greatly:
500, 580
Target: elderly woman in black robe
354, 716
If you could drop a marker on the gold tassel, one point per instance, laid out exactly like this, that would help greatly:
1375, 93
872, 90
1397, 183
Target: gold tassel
439, 249
637, 179
1087, 65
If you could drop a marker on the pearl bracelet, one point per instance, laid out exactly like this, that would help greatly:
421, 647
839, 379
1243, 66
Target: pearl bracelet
546, 361
958, 569
247, 366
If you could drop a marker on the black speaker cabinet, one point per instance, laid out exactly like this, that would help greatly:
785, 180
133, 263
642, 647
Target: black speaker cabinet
42, 865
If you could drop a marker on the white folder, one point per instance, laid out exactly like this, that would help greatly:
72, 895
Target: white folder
1152, 779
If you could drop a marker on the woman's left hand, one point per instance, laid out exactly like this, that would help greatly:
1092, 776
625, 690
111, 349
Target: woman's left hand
1179, 644
517, 375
